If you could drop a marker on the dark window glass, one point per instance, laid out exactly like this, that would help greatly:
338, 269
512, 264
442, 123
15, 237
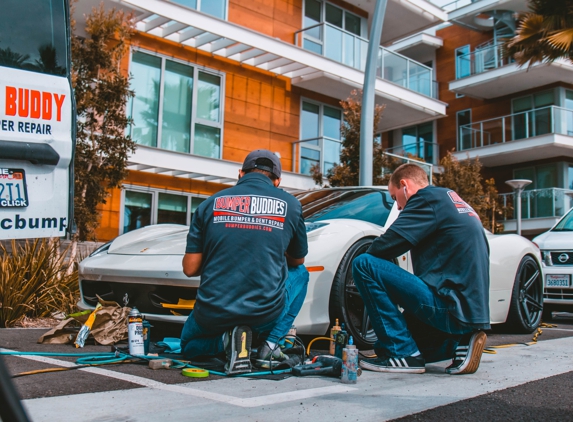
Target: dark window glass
464, 133
33, 36
333, 15
172, 209
463, 62
352, 23
357, 204
137, 210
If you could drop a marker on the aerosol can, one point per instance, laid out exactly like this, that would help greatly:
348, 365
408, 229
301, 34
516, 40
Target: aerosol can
135, 333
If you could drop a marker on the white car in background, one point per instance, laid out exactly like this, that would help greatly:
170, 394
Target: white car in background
557, 252
143, 268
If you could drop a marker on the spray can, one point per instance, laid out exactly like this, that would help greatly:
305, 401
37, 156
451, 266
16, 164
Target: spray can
340, 342
146, 335
135, 333
333, 332
349, 363
290, 337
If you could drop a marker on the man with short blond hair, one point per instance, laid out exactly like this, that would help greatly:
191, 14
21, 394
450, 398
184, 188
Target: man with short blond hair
448, 294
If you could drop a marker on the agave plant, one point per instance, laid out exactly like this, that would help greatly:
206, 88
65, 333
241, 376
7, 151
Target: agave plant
544, 34
35, 281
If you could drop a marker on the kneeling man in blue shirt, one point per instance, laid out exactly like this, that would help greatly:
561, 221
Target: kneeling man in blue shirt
448, 294
248, 243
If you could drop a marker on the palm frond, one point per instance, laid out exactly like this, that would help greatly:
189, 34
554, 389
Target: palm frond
562, 40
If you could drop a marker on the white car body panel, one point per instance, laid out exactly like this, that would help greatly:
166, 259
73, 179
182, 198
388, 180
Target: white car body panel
153, 255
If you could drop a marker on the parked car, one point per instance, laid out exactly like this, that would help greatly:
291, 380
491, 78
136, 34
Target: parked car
557, 252
143, 267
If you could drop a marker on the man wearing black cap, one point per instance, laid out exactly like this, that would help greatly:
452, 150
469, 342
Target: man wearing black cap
248, 243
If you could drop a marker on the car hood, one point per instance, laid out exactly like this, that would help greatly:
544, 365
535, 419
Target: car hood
162, 239
555, 240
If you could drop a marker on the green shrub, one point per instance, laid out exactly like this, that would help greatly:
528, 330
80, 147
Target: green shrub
36, 280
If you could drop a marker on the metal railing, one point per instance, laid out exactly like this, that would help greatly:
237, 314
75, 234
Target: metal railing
540, 203
484, 58
349, 49
526, 124
428, 151
428, 167
322, 150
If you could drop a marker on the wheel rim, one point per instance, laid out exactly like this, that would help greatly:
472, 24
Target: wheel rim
357, 317
530, 297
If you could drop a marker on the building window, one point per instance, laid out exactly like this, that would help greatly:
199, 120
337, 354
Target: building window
463, 63
316, 12
217, 8
464, 132
142, 207
533, 115
176, 106
418, 141
321, 139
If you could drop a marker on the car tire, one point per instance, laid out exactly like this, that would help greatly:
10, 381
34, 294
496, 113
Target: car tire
346, 304
526, 307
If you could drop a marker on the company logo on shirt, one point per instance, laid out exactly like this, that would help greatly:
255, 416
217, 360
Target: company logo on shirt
252, 212
462, 206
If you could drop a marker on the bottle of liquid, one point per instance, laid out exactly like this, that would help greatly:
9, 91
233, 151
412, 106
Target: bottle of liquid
135, 333
340, 342
349, 363
333, 332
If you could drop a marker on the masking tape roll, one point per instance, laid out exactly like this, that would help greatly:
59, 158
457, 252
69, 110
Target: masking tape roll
195, 373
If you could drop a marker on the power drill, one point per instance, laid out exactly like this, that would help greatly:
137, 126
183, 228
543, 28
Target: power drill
321, 365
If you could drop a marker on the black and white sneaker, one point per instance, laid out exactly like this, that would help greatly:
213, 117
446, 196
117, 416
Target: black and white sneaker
468, 354
238, 350
407, 365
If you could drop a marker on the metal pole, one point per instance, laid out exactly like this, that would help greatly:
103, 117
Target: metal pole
518, 192
368, 95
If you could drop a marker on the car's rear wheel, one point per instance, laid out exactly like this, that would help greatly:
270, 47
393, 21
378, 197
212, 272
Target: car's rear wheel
526, 307
346, 304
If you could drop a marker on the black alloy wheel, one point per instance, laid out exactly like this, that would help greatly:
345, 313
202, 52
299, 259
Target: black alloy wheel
346, 304
526, 307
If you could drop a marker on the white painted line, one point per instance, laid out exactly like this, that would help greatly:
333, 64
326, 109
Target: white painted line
184, 389
556, 329
291, 396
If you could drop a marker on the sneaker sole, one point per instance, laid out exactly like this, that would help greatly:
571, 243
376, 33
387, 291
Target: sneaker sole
471, 364
240, 362
402, 369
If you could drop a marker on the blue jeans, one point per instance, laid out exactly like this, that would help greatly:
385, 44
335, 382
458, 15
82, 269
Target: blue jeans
204, 341
384, 285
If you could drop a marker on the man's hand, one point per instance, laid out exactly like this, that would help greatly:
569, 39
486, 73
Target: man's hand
293, 262
192, 264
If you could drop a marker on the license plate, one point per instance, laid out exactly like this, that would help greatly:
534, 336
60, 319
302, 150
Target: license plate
557, 280
13, 188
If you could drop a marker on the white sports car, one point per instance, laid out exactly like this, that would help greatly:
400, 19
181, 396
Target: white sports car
143, 268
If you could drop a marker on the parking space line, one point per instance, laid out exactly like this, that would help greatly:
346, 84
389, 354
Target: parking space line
184, 389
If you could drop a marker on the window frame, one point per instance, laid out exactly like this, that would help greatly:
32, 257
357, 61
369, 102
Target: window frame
198, 9
458, 139
154, 192
434, 142
363, 21
194, 119
456, 58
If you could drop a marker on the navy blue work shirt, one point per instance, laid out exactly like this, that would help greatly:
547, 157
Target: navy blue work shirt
449, 250
243, 233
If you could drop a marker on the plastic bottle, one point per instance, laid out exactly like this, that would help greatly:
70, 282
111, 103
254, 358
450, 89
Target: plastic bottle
340, 342
135, 333
333, 332
349, 363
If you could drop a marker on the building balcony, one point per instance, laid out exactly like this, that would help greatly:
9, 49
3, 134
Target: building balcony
486, 73
520, 137
427, 151
194, 167
540, 209
347, 48
304, 68
472, 13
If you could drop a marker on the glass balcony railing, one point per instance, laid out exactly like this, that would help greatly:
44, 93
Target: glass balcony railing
526, 124
322, 151
540, 203
345, 47
427, 151
481, 60
401, 159
457, 4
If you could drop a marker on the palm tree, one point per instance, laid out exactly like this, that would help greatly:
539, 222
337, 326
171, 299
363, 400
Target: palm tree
544, 34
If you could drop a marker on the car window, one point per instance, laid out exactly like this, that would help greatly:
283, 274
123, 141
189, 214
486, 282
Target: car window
566, 223
371, 205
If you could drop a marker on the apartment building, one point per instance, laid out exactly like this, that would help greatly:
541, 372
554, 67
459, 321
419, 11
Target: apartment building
517, 120
215, 79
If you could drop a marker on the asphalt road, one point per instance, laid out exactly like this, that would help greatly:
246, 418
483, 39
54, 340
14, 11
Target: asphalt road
544, 399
